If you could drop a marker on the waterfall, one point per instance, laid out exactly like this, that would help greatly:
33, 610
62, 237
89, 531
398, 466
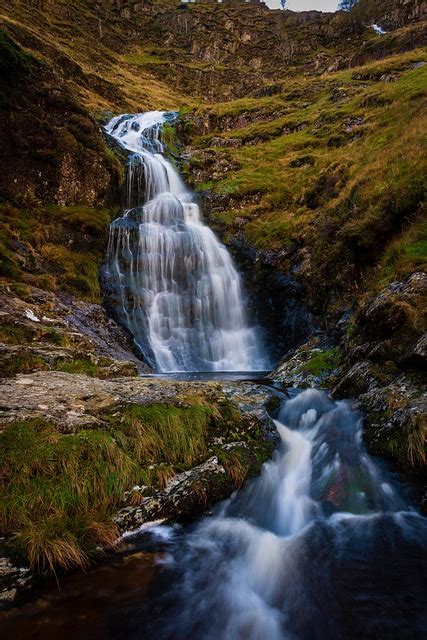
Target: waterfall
175, 285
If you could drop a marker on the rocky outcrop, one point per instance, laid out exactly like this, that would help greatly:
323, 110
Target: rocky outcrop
73, 405
380, 361
391, 14
50, 146
190, 494
314, 364
49, 331
390, 327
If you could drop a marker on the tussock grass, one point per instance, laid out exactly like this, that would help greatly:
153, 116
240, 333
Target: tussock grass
166, 433
58, 491
409, 445
235, 468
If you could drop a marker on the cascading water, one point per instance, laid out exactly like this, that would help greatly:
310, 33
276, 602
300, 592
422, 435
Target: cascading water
319, 547
177, 289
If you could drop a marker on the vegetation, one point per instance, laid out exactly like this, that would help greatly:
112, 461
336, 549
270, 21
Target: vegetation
333, 174
322, 362
58, 491
53, 247
323, 166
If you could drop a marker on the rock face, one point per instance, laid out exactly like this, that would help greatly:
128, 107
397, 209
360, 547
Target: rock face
50, 147
386, 369
380, 361
392, 14
49, 331
311, 365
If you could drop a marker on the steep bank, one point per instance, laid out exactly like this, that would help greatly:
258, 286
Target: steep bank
320, 187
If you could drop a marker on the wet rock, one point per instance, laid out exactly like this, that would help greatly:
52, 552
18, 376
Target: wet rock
385, 368
190, 493
395, 424
14, 579
48, 330
391, 326
416, 355
313, 364
186, 497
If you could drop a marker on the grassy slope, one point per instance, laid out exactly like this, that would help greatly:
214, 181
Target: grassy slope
345, 180
60, 490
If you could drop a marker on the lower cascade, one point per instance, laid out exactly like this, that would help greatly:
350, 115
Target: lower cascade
320, 546
175, 286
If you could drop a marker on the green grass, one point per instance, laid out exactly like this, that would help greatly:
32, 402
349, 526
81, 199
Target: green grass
408, 252
59, 491
83, 365
166, 433
346, 187
22, 364
14, 333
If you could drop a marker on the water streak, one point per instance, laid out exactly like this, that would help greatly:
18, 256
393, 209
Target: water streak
175, 285
320, 546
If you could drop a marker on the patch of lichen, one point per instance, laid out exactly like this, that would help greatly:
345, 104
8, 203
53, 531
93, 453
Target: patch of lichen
322, 362
53, 247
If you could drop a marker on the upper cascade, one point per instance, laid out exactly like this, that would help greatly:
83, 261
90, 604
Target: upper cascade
175, 285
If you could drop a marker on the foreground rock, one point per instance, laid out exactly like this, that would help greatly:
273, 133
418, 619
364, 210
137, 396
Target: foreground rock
234, 436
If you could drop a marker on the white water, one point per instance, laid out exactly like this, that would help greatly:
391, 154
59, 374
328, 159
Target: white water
320, 546
176, 287
378, 29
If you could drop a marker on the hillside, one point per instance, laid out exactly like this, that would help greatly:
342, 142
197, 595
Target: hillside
304, 137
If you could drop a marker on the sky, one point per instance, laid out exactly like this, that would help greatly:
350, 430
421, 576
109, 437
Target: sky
305, 5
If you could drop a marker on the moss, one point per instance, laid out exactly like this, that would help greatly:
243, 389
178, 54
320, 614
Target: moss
338, 200
170, 139
22, 364
13, 60
322, 362
83, 365
15, 333
20, 290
